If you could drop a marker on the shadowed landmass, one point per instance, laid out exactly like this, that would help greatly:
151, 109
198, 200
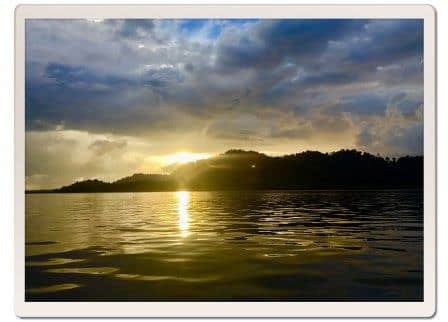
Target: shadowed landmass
250, 170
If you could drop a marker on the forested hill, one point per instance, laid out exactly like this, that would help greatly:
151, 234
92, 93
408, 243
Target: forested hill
242, 170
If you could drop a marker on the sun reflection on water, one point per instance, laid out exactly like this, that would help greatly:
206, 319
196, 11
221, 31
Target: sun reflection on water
183, 198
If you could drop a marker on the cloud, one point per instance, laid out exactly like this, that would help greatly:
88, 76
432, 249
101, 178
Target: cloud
102, 147
270, 85
268, 43
240, 127
395, 134
364, 103
60, 157
388, 40
133, 28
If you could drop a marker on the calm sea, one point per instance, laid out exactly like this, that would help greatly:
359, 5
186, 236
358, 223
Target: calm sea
245, 245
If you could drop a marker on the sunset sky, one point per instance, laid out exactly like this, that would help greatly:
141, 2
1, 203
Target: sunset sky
109, 98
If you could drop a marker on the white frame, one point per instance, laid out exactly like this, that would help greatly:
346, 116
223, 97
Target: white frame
425, 308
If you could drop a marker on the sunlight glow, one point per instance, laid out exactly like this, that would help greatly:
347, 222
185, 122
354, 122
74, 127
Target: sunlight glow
185, 157
183, 198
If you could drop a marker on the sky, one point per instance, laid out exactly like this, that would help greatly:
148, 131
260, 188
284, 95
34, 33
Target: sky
109, 98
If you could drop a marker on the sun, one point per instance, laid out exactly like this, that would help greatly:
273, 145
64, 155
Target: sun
185, 157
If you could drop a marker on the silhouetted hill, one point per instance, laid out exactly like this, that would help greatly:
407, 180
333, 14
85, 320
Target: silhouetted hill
344, 169
145, 182
136, 182
87, 186
239, 169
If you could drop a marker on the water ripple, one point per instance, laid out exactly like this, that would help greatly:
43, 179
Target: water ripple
240, 245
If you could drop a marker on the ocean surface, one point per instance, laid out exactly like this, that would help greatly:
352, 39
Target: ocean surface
221, 246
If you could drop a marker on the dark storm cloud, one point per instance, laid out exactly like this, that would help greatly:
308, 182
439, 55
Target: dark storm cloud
330, 78
362, 104
270, 43
225, 78
388, 40
135, 28
189, 67
80, 77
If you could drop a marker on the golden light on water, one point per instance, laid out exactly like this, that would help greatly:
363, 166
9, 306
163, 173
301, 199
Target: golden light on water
183, 199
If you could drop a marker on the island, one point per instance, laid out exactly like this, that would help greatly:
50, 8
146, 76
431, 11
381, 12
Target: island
250, 170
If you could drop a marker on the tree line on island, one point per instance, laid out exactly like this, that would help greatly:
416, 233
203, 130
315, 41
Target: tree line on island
250, 170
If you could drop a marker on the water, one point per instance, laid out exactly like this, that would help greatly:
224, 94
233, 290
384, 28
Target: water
259, 245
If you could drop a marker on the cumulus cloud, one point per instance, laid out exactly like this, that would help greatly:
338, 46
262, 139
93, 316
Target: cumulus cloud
102, 147
209, 85
396, 134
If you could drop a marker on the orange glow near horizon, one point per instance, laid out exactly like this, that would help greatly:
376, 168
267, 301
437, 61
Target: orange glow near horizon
185, 157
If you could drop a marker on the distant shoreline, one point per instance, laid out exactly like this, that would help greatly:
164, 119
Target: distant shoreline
31, 192
239, 170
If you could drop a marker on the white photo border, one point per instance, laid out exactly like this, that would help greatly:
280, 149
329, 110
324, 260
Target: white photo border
425, 308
